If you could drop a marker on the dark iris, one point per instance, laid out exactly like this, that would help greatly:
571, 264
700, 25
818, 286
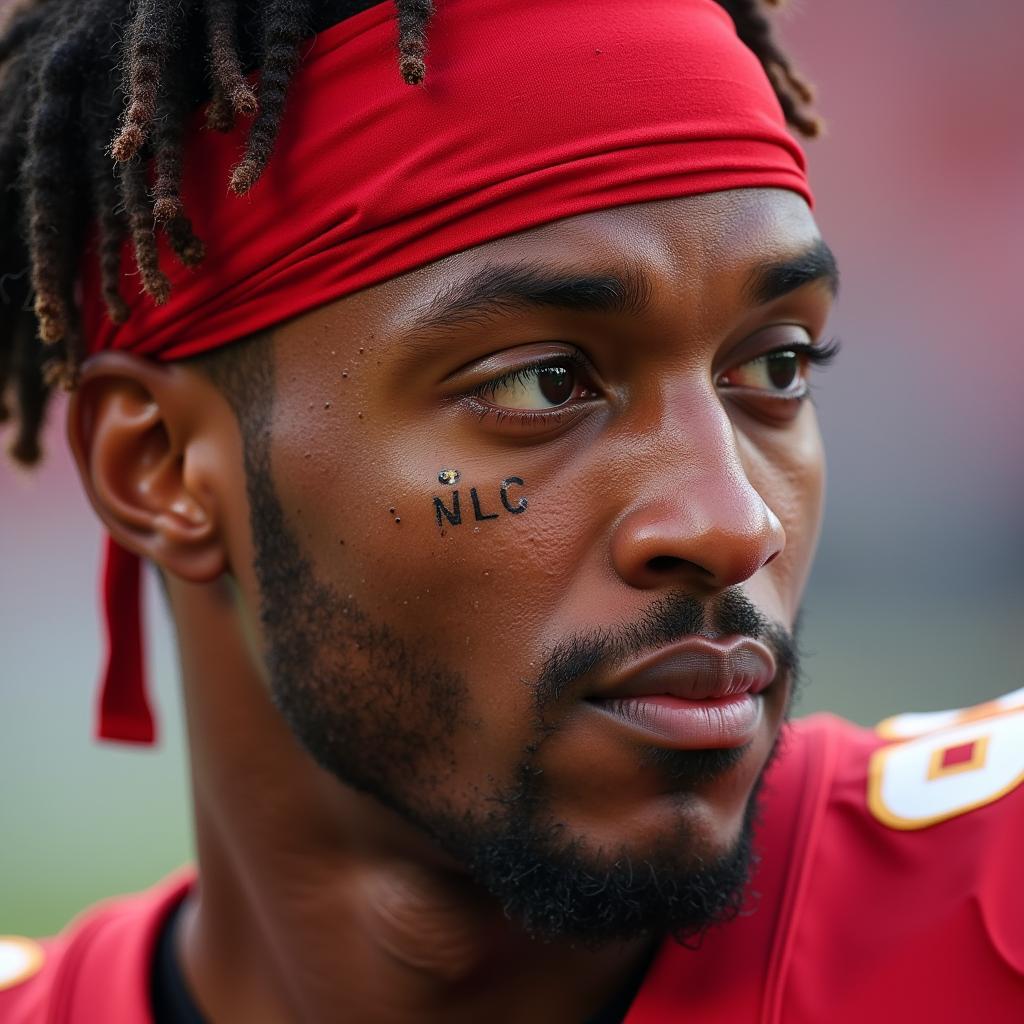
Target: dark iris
556, 383
783, 369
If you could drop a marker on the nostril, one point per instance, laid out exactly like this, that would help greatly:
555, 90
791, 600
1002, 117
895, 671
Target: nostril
664, 563
668, 564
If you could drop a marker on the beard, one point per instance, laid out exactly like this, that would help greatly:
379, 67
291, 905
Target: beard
381, 715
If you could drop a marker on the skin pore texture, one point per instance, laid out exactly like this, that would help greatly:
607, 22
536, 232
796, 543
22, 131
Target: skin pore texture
408, 806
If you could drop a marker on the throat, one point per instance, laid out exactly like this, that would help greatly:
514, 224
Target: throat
440, 931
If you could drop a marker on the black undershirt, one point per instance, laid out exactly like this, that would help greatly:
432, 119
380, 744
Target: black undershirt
171, 999
173, 1003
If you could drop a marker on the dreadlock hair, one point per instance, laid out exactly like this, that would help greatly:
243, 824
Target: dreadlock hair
93, 100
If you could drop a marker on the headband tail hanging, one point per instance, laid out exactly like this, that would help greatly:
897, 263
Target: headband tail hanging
124, 710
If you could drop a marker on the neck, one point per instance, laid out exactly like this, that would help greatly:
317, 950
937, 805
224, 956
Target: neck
315, 902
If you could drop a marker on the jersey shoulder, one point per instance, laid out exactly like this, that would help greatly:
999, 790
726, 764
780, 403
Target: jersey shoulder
916, 847
916, 770
97, 969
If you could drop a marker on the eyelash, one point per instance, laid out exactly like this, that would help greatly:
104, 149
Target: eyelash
523, 373
817, 355
820, 356
526, 417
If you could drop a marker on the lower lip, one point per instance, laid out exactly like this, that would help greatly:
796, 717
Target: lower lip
709, 724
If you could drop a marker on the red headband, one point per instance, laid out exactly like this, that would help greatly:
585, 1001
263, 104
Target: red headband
530, 112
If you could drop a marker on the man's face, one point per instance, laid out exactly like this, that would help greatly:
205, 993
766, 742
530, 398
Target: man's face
495, 494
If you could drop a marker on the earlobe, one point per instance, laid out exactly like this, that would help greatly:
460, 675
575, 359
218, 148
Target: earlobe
132, 436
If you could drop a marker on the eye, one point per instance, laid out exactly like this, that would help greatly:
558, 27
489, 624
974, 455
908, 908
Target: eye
778, 372
538, 388
783, 373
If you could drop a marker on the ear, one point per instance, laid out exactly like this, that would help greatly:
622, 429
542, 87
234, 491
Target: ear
140, 433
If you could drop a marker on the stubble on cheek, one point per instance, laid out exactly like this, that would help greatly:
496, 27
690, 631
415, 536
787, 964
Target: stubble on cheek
378, 712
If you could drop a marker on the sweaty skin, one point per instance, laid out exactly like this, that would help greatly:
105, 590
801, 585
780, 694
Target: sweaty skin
318, 902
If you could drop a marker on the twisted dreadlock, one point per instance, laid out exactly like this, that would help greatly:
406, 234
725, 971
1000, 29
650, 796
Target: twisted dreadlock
95, 92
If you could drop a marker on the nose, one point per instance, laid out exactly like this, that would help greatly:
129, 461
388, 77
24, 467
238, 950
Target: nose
697, 521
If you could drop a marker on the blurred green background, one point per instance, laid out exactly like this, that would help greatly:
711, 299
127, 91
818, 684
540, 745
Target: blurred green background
916, 601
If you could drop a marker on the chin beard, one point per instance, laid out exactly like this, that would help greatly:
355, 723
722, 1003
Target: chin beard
559, 887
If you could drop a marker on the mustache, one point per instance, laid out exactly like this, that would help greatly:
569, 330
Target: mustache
669, 620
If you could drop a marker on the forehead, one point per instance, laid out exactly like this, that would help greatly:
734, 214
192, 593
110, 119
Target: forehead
695, 241
692, 250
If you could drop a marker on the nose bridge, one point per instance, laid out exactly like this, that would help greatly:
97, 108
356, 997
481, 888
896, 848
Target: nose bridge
695, 516
693, 450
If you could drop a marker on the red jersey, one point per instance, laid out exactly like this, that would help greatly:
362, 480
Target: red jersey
887, 891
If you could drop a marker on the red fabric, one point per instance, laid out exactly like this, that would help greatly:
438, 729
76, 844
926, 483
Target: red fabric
124, 711
530, 112
854, 921
98, 970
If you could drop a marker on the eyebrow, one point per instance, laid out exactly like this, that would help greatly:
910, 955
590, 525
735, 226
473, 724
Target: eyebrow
496, 290
507, 289
773, 280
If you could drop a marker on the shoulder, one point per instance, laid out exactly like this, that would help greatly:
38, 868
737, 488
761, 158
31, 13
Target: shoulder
911, 877
918, 770
96, 969
923, 802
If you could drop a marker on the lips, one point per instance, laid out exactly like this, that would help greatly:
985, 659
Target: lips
697, 669
697, 694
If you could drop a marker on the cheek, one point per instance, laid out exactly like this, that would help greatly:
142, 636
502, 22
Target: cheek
472, 588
